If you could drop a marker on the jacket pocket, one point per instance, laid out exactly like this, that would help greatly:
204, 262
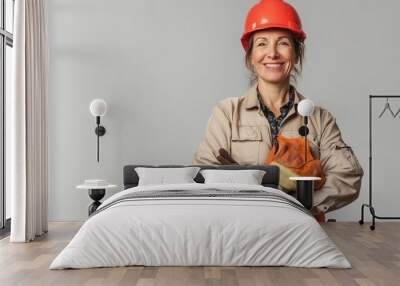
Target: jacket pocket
344, 156
245, 144
246, 133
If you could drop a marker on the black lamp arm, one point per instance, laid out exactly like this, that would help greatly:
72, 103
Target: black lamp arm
100, 131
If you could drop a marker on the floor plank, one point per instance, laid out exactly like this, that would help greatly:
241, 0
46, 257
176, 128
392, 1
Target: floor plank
374, 255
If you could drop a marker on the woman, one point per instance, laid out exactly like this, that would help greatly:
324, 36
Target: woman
262, 127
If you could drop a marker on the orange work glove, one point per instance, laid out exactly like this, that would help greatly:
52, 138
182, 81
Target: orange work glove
289, 155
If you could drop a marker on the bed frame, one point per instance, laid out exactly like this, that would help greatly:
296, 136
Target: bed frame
270, 179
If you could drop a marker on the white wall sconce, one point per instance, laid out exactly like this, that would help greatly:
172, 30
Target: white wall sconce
98, 108
305, 109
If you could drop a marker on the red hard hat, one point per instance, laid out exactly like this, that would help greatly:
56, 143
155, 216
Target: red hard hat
272, 14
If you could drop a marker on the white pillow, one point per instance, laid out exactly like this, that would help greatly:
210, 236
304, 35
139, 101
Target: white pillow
248, 177
162, 176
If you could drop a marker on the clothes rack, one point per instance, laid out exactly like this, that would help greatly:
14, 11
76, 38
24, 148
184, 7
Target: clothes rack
370, 205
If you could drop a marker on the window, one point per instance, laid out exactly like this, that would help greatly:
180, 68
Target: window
6, 44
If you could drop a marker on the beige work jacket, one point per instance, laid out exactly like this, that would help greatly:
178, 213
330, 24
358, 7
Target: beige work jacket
238, 125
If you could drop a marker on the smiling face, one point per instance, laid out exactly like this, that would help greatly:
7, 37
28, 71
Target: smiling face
273, 55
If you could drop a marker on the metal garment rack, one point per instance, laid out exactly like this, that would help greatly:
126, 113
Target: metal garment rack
370, 205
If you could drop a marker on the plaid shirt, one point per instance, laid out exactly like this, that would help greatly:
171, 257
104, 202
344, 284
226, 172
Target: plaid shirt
275, 123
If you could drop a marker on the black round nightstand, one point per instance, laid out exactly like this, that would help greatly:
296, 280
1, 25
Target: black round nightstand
96, 193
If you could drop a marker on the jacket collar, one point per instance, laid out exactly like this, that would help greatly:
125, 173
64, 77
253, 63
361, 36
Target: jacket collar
251, 100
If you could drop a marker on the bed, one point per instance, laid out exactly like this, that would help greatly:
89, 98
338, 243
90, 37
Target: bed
201, 224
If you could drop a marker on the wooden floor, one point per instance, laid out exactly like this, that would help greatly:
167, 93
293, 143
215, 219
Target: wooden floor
375, 256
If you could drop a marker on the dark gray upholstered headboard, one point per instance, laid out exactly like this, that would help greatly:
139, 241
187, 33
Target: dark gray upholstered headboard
271, 177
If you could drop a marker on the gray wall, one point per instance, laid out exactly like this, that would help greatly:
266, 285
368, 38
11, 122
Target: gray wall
162, 65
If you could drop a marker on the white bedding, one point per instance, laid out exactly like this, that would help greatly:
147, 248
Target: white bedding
200, 231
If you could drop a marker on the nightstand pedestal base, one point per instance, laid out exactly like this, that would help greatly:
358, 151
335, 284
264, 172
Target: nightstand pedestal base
96, 195
305, 190
304, 193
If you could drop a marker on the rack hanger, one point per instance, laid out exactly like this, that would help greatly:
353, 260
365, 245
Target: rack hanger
370, 203
387, 107
397, 113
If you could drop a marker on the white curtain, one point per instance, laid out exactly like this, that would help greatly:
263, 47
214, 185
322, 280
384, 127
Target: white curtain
26, 122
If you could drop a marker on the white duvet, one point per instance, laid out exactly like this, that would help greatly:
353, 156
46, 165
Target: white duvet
200, 231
